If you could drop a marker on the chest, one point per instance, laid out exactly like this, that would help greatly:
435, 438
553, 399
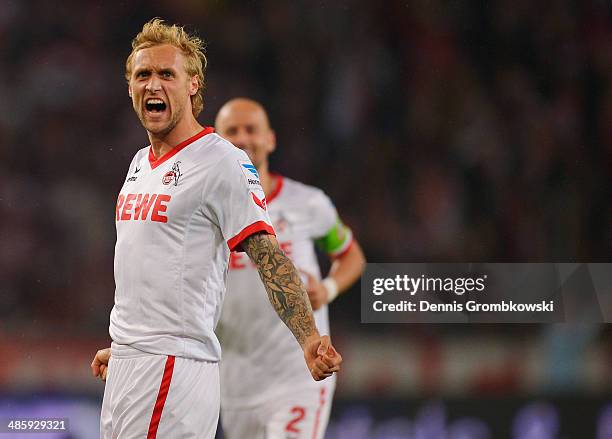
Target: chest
165, 194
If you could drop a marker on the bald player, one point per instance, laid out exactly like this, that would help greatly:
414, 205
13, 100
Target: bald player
266, 389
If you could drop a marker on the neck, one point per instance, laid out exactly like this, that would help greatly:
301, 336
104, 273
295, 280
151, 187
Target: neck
268, 183
162, 143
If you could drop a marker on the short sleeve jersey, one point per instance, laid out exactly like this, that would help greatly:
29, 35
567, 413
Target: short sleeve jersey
261, 358
178, 218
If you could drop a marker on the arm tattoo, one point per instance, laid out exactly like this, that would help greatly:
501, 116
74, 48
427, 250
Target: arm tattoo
283, 284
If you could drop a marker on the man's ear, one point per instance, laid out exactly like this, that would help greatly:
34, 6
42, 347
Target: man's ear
194, 85
272, 140
130, 90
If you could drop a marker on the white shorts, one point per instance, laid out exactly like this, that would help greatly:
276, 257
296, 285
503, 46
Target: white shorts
149, 396
303, 415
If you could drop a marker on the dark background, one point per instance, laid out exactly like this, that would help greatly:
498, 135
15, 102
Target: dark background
443, 130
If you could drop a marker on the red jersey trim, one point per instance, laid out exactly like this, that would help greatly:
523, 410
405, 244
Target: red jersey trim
277, 189
258, 226
156, 162
161, 398
345, 251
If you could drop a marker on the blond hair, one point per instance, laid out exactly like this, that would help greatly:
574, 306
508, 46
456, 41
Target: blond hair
156, 32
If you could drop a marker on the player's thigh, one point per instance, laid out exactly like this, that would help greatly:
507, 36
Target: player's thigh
160, 396
130, 392
192, 405
303, 416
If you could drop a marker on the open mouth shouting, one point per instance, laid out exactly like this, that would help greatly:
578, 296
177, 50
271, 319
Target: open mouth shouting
155, 106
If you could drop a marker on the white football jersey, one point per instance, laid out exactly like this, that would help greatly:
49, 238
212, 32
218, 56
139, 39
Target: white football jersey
261, 358
178, 218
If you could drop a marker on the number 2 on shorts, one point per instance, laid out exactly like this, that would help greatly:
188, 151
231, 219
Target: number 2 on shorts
300, 413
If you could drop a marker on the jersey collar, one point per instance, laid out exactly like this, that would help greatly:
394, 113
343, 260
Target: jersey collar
277, 189
156, 162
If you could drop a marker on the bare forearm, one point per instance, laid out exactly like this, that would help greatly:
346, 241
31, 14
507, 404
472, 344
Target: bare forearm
346, 269
283, 285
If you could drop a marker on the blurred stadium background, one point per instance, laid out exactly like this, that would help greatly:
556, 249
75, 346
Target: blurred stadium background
444, 131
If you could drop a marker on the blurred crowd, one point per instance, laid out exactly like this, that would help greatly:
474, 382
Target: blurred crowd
443, 130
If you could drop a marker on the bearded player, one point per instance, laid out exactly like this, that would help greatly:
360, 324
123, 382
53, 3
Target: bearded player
187, 202
266, 389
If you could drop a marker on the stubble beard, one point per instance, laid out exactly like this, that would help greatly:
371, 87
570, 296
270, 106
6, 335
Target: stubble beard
161, 132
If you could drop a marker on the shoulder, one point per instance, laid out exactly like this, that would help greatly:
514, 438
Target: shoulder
216, 154
305, 194
141, 155
219, 144
220, 149
309, 206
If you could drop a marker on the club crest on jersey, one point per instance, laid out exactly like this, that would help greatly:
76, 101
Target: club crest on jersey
173, 175
281, 224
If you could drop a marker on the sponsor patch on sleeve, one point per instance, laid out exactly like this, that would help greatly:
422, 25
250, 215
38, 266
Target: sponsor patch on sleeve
261, 202
250, 174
